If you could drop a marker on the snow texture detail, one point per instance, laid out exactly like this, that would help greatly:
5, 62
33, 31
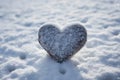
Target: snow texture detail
63, 44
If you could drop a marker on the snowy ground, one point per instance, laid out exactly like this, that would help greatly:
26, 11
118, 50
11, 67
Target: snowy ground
22, 58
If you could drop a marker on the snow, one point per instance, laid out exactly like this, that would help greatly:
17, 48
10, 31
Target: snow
22, 58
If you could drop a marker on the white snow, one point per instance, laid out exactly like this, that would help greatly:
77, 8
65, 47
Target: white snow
22, 58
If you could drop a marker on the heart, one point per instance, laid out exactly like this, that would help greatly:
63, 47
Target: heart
62, 44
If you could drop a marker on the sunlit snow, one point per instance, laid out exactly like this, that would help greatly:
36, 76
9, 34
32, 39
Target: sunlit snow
22, 57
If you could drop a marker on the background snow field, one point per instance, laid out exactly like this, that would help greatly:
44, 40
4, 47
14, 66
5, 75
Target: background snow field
22, 58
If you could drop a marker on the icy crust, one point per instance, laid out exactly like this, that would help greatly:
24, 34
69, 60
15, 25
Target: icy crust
62, 44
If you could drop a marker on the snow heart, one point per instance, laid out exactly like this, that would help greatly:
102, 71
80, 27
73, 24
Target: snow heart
62, 44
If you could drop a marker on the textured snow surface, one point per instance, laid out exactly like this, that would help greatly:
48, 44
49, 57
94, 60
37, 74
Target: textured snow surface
22, 58
62, 44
